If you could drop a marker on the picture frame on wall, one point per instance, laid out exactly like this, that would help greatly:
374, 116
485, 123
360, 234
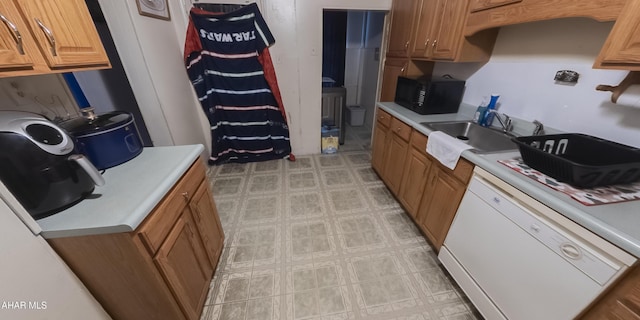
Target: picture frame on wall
158, 9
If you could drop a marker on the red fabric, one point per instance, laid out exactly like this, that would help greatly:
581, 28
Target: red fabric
270, 75
192, 42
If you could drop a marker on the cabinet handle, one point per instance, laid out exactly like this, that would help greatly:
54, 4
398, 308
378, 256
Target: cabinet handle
16, 34
398, 129
185, 195
50, 37
406, 44
402, 70
434, 43
426, 44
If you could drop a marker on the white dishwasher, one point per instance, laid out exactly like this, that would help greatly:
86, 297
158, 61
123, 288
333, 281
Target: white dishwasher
518, 259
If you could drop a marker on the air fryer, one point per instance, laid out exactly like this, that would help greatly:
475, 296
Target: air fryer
38, 164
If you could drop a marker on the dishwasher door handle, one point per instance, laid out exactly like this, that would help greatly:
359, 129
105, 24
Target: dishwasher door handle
571, 251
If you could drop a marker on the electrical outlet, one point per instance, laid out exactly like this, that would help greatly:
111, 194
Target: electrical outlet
567, 76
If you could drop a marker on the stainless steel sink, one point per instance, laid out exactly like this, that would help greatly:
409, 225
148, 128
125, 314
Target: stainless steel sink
482, 139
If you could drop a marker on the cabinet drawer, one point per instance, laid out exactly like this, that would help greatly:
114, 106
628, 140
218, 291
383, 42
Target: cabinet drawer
419, 141
401, 129
159, 222
383, 117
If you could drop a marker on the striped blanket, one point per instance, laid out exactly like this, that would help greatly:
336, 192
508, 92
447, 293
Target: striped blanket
228, 62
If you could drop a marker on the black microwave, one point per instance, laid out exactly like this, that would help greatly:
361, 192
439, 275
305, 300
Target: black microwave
429, 96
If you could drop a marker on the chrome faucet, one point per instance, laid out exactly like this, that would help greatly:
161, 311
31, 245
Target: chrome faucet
539, 129
507, 124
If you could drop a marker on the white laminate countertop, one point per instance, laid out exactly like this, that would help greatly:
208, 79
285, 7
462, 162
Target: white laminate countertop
618, 223
131, 191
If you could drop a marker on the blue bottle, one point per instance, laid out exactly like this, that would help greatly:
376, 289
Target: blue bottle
478, 117
488, 116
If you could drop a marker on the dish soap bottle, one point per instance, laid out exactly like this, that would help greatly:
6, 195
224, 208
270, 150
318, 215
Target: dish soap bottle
488, 114
478, 117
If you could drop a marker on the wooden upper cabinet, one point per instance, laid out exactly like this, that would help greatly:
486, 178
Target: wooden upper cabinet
16, 44
505, 13
402, 23
479, 5
64, 32
452, 15
427, 23
438, 33
393, 68
621, 50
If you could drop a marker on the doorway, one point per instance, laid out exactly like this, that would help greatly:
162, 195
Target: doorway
352, 41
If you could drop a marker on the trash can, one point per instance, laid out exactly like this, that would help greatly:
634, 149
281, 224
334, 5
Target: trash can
330, 136
355, 116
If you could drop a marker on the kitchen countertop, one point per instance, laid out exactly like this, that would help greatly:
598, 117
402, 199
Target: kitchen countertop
618, 223
131, 191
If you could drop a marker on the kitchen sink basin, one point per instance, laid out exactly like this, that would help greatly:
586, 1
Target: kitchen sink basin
482, 139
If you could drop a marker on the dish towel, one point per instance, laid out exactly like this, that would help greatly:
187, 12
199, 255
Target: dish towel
445, 148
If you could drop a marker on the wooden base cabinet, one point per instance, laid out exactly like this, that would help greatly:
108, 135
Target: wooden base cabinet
622, 302
389, 151
397, 146
415, 175
439, 204
163, 269
380, 141
428, 191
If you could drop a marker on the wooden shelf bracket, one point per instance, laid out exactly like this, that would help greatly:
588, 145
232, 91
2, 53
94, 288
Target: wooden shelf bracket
632, 78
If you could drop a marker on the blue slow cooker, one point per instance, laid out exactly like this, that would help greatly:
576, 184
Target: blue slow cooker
108, 139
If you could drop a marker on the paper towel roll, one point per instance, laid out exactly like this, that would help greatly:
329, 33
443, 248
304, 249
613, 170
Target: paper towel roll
630, 97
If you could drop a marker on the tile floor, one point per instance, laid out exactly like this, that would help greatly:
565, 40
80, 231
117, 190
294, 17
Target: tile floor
323, 238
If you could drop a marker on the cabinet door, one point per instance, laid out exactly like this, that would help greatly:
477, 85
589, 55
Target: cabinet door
206, 217
449, 34
184, 264
403, 12
439, 205
415, 179
14, 35
393, 68
427, 23
378, 147
394, 163
622, 302
621, 50
65, 32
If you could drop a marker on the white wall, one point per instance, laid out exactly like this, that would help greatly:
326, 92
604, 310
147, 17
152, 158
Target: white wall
36, 283
151, 51
371, 64
354, 54
524, 62
44, 94
151, 54
308, 38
